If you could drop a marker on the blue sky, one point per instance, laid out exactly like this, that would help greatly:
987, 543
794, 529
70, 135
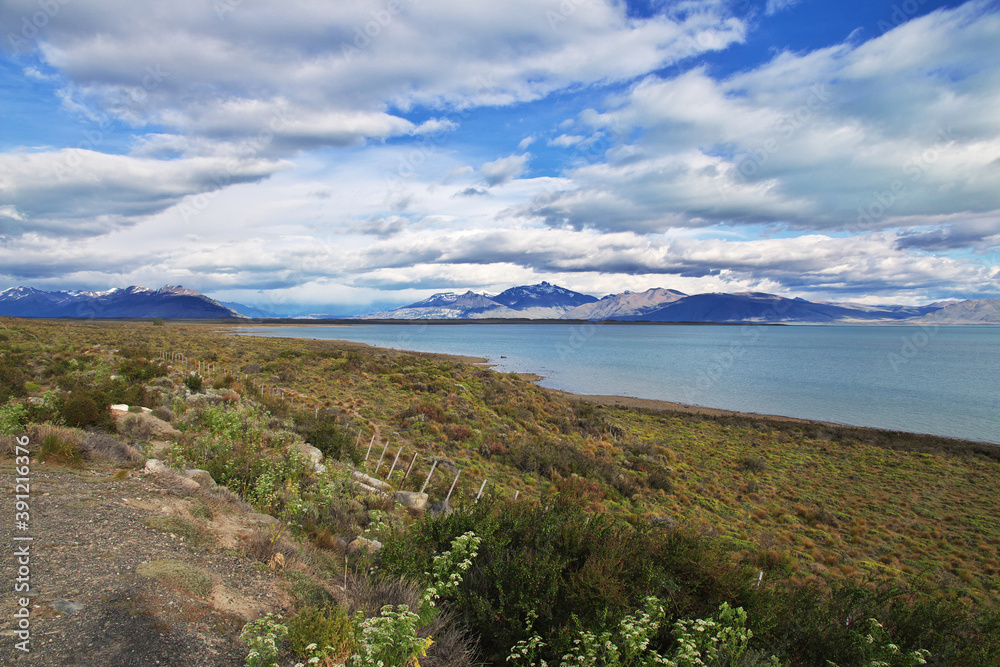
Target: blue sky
337, 157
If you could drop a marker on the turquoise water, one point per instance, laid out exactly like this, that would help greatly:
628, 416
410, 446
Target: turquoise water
939, 380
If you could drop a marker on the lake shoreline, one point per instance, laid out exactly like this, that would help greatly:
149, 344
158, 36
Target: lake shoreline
926, 440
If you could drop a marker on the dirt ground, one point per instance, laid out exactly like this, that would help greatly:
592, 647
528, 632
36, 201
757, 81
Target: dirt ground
91, 604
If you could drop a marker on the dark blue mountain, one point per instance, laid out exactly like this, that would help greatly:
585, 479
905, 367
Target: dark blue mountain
761, 307
542, 295
141, 302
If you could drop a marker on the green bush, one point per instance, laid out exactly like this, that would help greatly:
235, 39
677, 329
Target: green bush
193, 382
567, 567
13, 418
83, 409
56, 450
326, 436
324, 628
12, 377
140, 370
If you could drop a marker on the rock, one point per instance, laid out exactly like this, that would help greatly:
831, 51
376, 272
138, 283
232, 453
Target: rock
156, 466
314, 455
202, 477
371, 489
66, 606
371, 481
360, 544
441, 507
417, 501
120, 407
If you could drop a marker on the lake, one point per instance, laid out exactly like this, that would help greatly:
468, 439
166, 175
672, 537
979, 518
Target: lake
942, 380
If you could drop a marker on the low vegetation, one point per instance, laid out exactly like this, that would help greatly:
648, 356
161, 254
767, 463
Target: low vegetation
636, 537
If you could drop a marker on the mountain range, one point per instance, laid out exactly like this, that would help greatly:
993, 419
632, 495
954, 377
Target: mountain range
547, 301
543, 301
167, 302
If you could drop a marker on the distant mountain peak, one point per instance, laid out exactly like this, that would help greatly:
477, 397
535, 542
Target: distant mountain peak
134, 301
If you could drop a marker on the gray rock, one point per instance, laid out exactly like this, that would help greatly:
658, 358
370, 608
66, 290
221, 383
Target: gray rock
156, 467
371, 481
66, 606
441, 507
314, 456
417, 501
202, 477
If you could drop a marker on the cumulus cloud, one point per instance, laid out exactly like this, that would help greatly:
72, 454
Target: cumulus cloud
852, 136
77, 192
505, 169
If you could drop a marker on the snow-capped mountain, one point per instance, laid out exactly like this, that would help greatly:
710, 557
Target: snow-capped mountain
169, 301
542, 295
547, 301
541, 301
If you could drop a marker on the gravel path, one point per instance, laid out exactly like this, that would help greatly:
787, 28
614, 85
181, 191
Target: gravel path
91, 606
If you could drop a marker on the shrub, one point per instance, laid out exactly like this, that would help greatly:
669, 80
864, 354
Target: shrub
136, 369
326, 436
164, 413
13, 418
135, 429
753, 464
103, 446
561, 562
12, 378
58, 450
82, 410
193, 382
329, 631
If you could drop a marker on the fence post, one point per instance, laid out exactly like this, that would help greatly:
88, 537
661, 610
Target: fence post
481, 487
370, 447
393, 466
409, 467
383, 456
434, 465
453, 485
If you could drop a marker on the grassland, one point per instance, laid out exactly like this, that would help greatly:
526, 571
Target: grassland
808, 505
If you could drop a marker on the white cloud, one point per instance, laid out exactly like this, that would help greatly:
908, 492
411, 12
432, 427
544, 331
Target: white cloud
887, 133
504, 169
776, 6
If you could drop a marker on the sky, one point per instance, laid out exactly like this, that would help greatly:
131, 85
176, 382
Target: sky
310, 156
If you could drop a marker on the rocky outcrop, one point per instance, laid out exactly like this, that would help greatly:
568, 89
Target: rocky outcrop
202, 477
371, 481
412, 499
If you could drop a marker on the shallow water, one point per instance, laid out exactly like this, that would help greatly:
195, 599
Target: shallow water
940, 380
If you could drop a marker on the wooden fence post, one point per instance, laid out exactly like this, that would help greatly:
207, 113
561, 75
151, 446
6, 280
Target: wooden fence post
409, 467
